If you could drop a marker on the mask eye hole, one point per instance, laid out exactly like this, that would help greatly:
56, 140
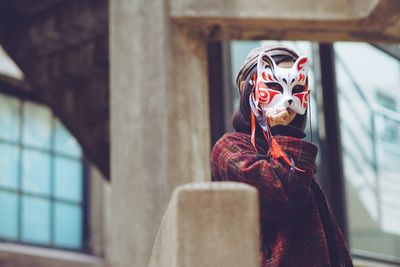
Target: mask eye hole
275, 87
298, 89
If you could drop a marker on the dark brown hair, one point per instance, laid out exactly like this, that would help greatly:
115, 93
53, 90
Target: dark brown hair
241, 117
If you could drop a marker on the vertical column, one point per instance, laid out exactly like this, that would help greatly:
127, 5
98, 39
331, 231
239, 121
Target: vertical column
334, 180
159, 122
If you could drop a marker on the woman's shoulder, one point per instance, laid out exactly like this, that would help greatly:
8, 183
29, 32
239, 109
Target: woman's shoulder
234, 137
234, 140
238, 142
241, 142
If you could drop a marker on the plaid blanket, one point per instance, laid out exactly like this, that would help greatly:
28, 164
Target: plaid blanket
297, 225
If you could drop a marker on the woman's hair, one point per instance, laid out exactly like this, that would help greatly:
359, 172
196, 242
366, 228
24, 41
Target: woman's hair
241, 117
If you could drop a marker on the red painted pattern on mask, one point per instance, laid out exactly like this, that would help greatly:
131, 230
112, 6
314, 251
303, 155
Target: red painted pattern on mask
264, 76
303, 98
271, 94
267, 77
301, 63
265, 95
262, 94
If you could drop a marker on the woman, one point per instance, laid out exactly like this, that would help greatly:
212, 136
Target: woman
267, 151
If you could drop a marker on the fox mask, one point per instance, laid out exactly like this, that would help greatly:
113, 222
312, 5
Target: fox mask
278, 87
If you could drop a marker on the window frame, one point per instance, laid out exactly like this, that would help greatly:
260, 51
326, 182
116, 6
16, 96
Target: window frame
16, 88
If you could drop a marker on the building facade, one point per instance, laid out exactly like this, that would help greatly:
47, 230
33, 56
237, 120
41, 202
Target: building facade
107, 106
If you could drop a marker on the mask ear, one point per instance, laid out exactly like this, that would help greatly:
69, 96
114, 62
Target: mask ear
264, 61
301, 65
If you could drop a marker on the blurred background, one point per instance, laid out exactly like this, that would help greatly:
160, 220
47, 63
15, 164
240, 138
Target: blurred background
367, 79
85, 106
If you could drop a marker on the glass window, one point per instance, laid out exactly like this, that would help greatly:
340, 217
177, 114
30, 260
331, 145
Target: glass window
368, 81
9, 119
9, 165
8, 211
68, 179
387, 128
35, 220
68, 227
37, 127
36, 172
66, 143
41, 177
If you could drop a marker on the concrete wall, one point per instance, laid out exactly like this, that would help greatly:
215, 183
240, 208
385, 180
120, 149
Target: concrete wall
12, 255
98, 212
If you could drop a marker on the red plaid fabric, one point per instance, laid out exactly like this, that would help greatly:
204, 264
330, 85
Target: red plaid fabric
297, 225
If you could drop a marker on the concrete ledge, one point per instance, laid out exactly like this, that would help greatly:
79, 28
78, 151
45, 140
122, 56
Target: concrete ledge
325, 21
15, 255
283, 9
209, 224
369, 263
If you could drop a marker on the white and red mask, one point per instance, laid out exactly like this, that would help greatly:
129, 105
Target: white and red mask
278, 88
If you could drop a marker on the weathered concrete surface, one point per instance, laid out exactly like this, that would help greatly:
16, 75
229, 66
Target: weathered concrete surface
97, 212
330, 20
368, 263
283, 9
13, 255
159, 122
209, 224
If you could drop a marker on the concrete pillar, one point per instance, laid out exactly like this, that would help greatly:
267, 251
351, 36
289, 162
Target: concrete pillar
209, 224
159, 122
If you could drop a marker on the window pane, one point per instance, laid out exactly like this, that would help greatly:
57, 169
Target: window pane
9, 118
36, 172
68, 179
8, 166
65, 142
68, 230
37, 125
35, 220
8, 211
368, 82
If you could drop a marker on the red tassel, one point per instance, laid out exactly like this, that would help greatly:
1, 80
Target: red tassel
253, 130
277, 151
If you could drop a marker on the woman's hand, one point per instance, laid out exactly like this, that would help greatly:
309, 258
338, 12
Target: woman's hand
279, 116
